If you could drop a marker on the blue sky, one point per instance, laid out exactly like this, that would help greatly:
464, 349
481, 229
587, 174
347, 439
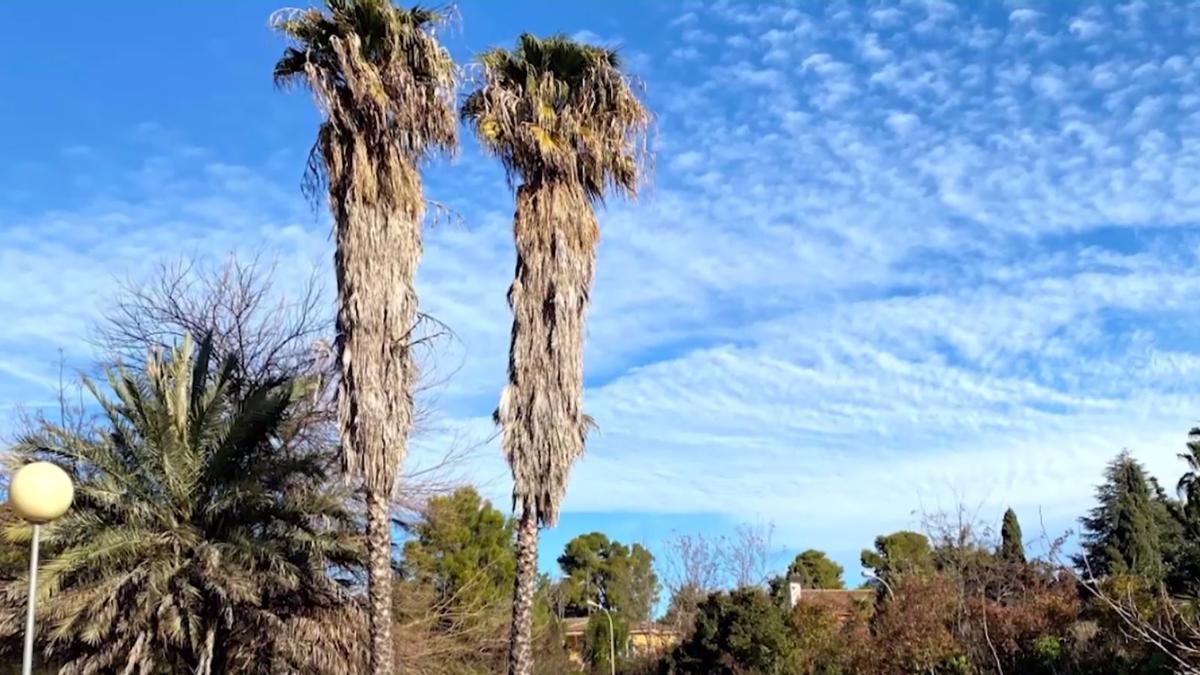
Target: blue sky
894, 255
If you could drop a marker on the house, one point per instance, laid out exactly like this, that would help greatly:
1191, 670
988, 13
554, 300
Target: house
644, 638
844, 604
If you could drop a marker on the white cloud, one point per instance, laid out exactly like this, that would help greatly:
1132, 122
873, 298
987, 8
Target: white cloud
685, 161
1024, 15
902, 123
1085, 29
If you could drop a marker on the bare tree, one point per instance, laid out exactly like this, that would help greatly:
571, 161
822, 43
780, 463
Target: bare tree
272, 332
693, 561
269, 333
749, 555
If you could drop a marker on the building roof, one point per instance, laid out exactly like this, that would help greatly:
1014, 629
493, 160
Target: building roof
576, 625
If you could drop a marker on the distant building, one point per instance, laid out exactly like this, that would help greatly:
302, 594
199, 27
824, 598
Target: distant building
843, 603
644, 639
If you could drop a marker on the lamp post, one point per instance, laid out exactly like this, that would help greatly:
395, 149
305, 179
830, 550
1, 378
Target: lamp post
39, 492
612, 640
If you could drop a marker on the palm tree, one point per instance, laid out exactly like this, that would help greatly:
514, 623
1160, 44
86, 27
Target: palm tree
201, 540
567, 126
386, 88
1190, 481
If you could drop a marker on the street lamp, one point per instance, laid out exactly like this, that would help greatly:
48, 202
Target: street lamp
39, 493
612, 640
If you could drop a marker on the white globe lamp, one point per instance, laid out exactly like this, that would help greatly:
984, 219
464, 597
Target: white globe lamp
39, 493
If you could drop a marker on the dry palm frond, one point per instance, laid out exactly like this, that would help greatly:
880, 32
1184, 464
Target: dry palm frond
557, 111
567, 124
568, 127
386, 87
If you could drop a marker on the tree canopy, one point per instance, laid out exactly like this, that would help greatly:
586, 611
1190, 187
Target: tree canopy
200, 540
1012, 548
814, 569
615, 576
462, 546
898, 553
742, 631
1121, 533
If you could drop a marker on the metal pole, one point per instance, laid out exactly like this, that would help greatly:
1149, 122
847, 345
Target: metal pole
27, 663
612, 644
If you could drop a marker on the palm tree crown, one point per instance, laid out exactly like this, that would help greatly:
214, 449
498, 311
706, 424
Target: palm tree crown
384, 82
558, 110
200, 536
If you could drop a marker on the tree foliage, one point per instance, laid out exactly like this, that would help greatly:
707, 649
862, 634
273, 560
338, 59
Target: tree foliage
615, 576
899, 553
201, 539
741, 631
1012, 548
814, 569
1121, 533
462, 547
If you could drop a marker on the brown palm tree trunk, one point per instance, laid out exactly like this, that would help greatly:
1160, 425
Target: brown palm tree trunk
379, 582
520, 661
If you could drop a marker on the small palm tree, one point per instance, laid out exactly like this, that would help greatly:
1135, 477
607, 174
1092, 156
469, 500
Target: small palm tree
386, 88
1189, 483
567, 126
201, 541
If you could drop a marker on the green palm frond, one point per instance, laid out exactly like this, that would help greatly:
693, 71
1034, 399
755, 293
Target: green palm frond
192, 519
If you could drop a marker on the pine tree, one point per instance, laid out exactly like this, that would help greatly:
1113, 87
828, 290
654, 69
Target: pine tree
1012, 549
1121, 533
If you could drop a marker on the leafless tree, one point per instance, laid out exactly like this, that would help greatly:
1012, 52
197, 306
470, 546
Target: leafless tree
749, 554
272, 332
692, 561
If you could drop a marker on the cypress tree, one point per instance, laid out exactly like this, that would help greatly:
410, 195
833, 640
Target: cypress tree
1012, 549
1121, 533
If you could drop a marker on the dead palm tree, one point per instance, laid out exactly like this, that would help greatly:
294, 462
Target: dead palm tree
567, 126
386, 88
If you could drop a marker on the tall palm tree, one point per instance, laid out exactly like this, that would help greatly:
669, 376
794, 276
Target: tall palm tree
386, 88
567, 126
201, 539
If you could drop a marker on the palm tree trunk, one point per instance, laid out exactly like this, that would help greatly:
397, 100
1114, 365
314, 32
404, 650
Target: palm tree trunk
379, 581
520, 658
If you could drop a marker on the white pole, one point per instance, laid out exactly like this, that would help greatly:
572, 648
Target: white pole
27, 664
612, 638
612, 645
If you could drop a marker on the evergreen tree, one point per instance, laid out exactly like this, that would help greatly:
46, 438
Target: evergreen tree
462, 548
1121, 534
814, 569
899, 553
742, 631
1012, 549
610, 574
